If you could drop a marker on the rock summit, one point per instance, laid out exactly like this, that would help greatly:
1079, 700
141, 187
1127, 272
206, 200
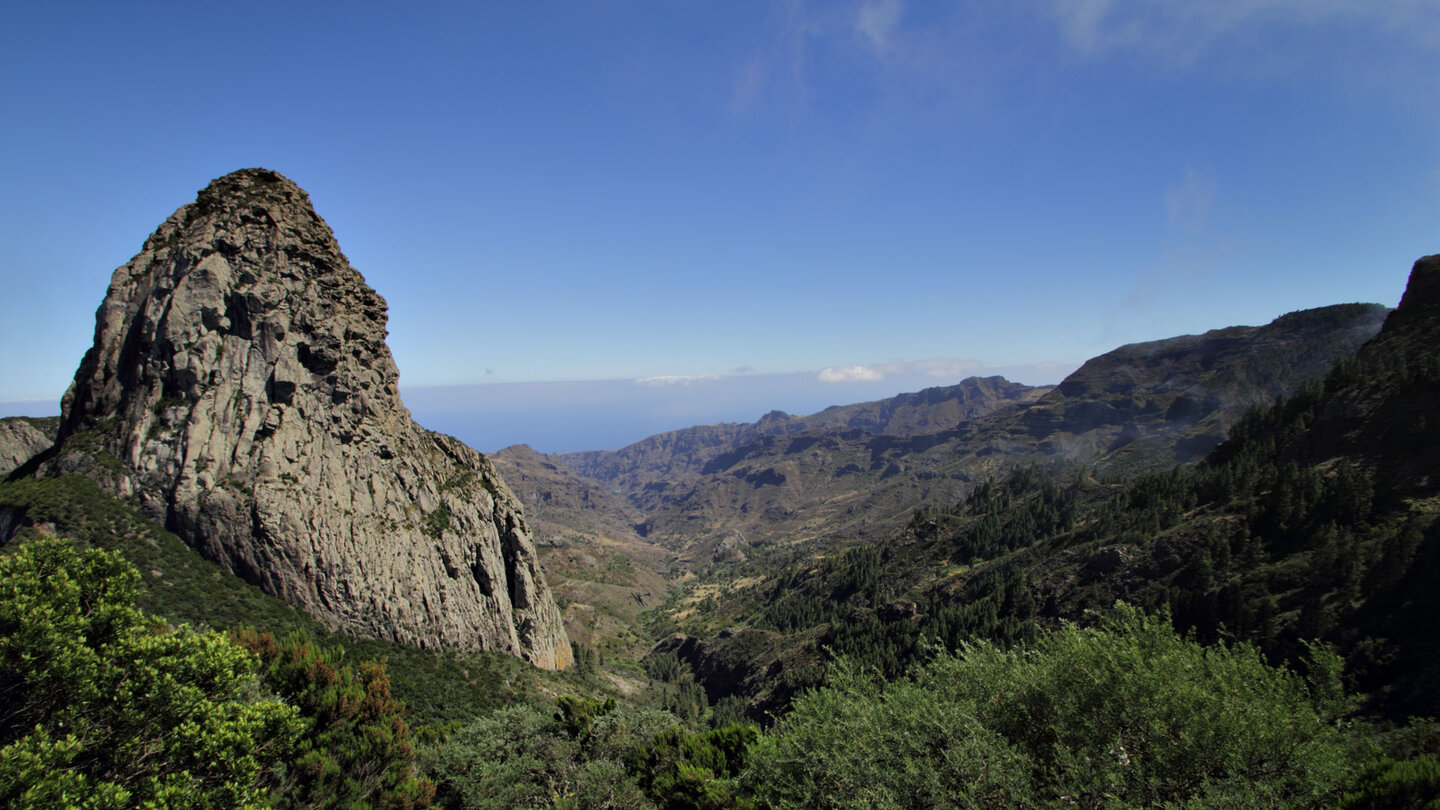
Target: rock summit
241, 389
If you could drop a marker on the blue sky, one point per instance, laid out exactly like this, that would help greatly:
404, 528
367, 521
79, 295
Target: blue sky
870, 195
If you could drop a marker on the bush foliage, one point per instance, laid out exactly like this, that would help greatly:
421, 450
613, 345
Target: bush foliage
106, 706
355, 750
1123, 714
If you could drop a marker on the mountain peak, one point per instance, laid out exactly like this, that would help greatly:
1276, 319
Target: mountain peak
244, 178
247, 189
1422, 292
240, 387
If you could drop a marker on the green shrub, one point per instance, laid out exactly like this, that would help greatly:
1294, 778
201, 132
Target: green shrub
1391, 784
685, 770
355, 750
106, 706
1127, 713
526, 757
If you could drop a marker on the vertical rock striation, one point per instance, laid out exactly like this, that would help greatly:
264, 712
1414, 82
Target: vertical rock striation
240, 387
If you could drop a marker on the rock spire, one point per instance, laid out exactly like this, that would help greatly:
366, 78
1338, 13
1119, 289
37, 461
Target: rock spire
240, 387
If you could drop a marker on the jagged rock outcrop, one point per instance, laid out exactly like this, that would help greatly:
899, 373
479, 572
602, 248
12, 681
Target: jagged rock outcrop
22, 438
240, 387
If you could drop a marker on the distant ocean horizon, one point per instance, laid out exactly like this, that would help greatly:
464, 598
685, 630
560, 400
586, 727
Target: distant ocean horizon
563, 417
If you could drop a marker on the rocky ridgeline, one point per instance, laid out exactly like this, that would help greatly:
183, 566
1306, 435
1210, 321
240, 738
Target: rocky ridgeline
240, 387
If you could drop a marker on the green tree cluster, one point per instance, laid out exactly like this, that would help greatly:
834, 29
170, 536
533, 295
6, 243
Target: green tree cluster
590, 753
577, 756
105, 706
355, 751
682, 769
1123, 714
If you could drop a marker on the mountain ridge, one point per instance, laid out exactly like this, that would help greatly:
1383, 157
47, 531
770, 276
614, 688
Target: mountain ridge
688, 450
1140, 406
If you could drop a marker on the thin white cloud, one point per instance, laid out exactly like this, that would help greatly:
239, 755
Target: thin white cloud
751, 80
876, 372
952, 66
774, 74
875, 22
1178, 33
1082, 22
676, 379
903, 71
841, 374
1188, 203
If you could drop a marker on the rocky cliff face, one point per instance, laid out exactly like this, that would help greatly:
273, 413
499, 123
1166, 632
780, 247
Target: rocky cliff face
564, 507
240, 387
22, 437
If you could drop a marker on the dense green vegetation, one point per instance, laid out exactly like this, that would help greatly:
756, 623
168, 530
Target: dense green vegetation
1252, 546
1123, 713
1127, 713
589, 754
105, 706
355, 750
110, 707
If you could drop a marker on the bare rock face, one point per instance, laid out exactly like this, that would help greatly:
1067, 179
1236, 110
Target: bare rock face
240, 387
21, 438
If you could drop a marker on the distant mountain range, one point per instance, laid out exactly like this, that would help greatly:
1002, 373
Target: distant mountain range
710, 492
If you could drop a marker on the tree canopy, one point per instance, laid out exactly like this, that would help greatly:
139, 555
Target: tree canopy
1124, 713
106, 706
